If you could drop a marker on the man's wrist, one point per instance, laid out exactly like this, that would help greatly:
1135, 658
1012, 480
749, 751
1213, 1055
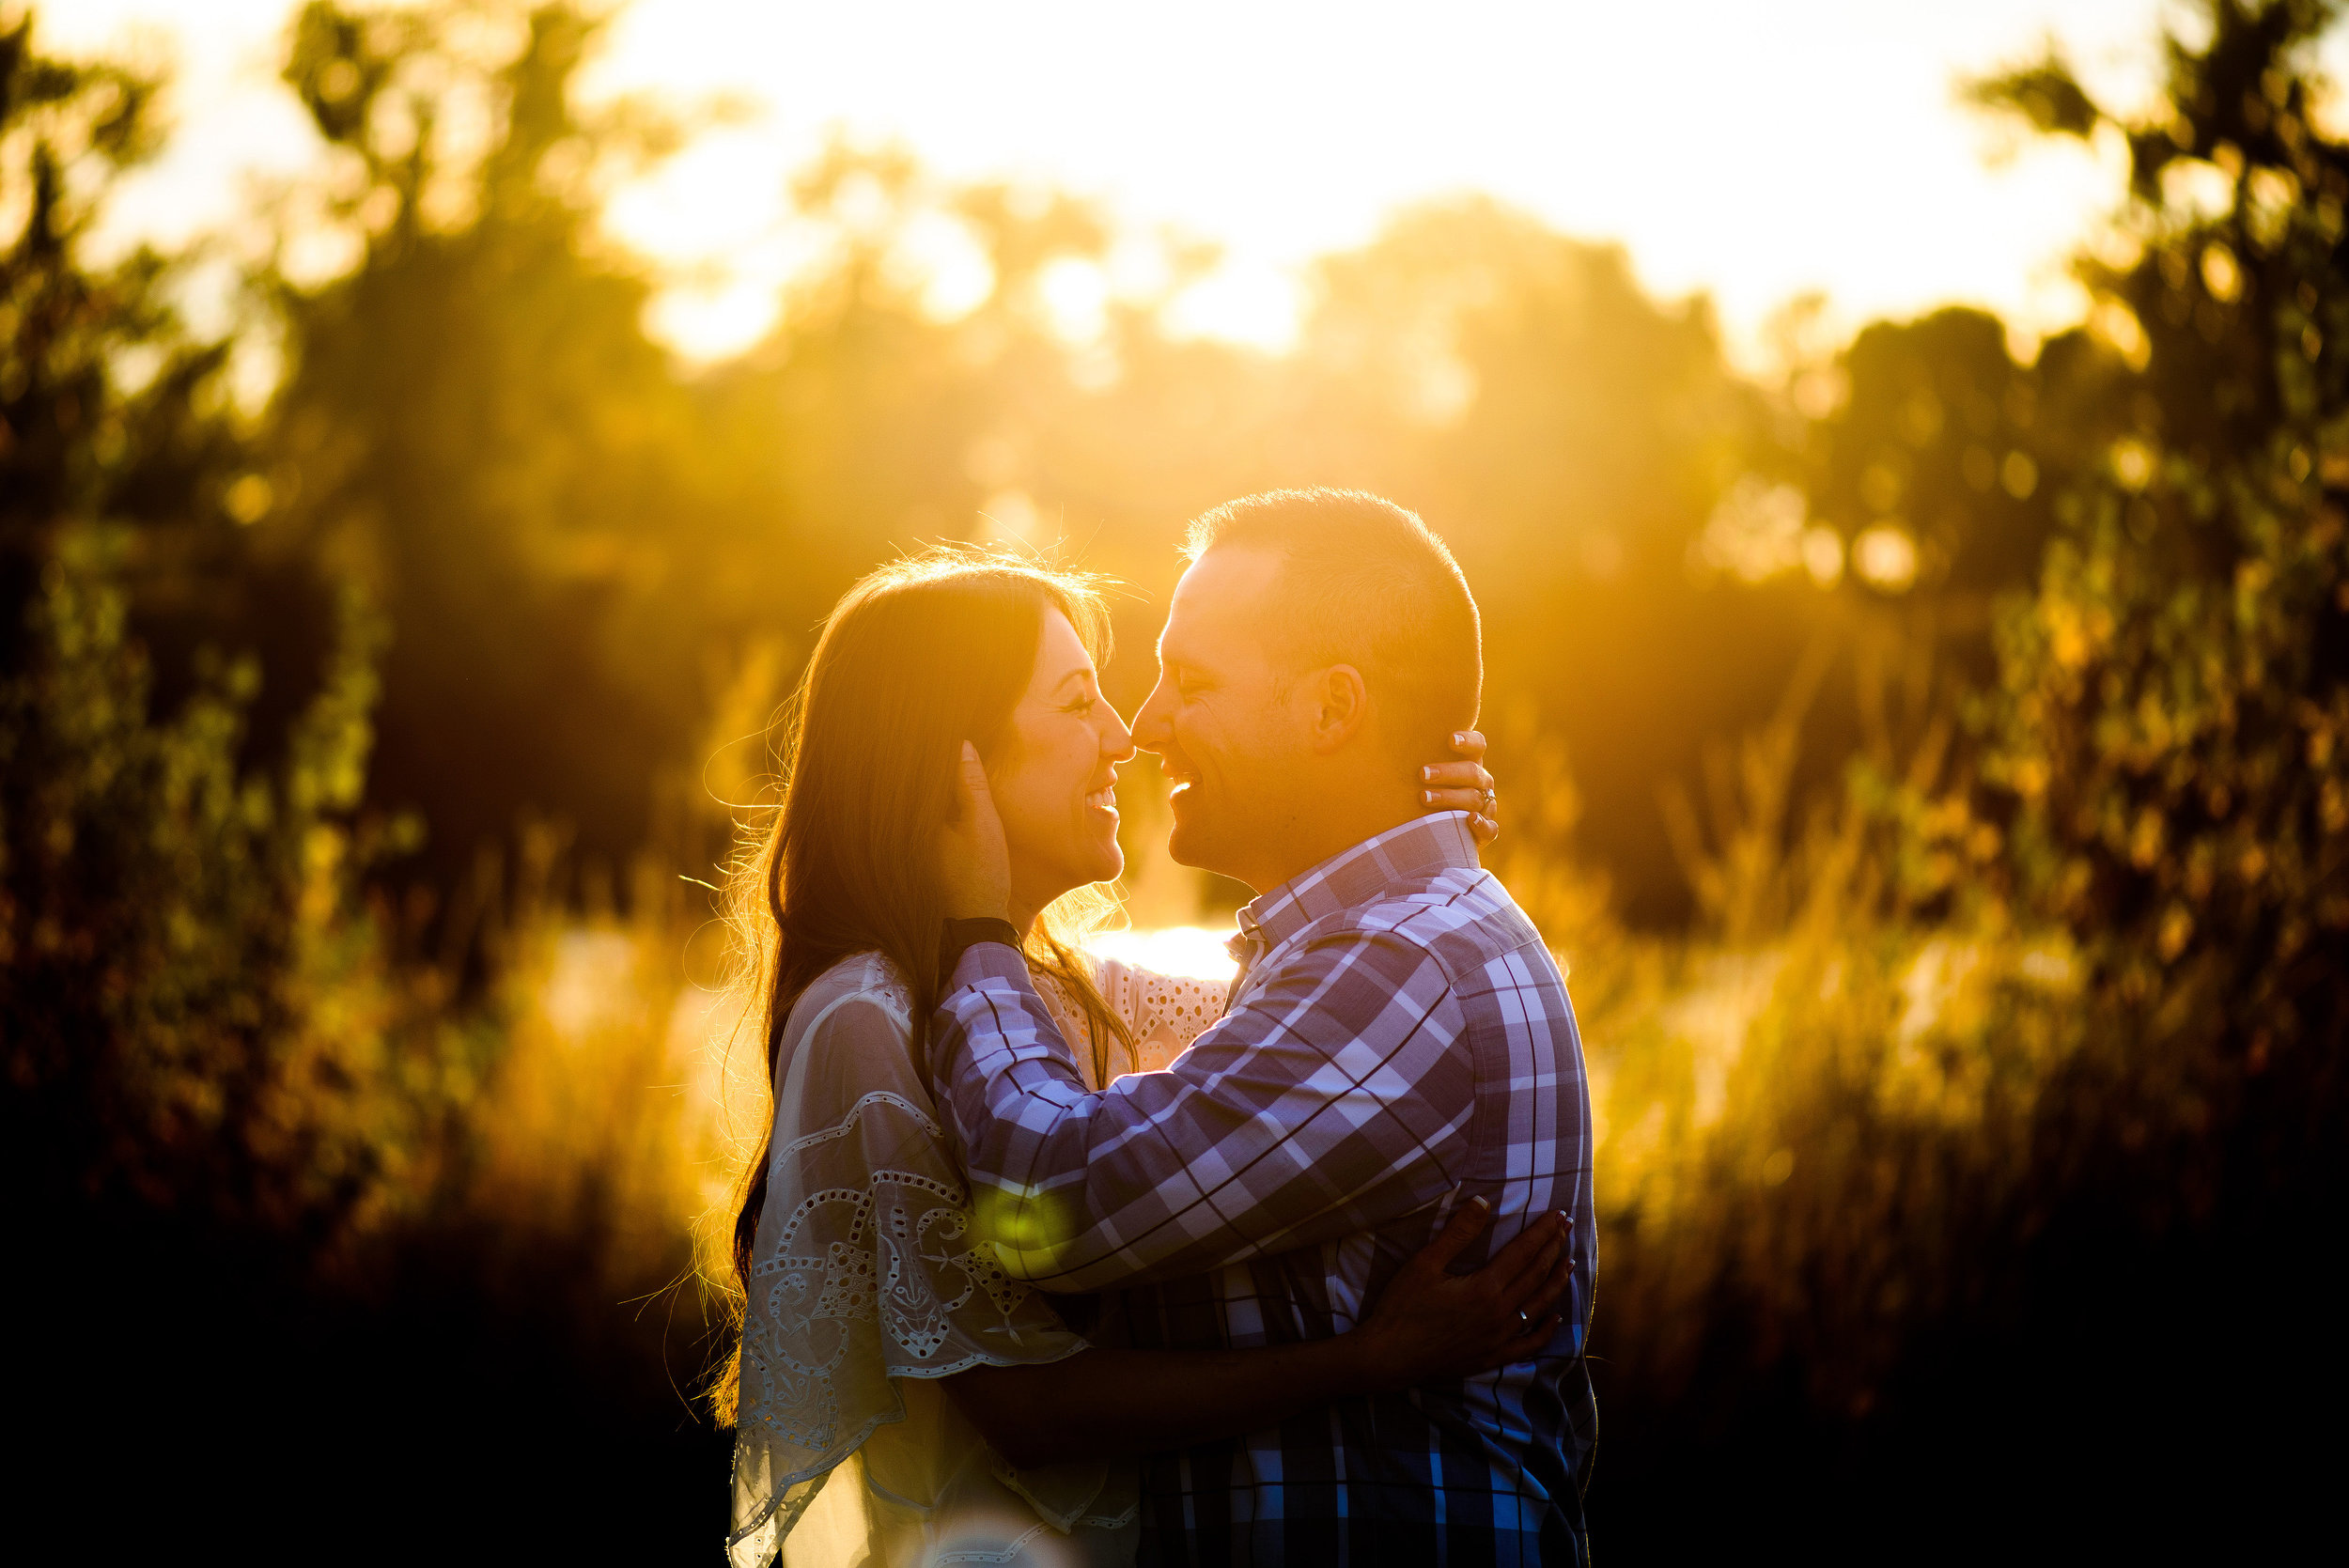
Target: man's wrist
958, 936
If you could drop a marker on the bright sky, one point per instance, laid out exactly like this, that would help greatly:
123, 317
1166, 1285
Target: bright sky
1755, 151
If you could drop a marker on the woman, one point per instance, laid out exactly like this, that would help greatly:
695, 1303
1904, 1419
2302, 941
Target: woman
901, 1400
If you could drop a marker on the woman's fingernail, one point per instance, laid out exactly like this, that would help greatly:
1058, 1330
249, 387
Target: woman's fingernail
1482, 1205
1460, 737
1426, 774
1427, 797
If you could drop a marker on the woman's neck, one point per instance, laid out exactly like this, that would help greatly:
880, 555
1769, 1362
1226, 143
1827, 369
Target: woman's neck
1026, 909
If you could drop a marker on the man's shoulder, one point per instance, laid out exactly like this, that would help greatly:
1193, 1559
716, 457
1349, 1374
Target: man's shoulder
1461, 917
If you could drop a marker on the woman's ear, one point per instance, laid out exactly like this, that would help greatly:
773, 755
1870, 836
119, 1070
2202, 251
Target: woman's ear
1341, 703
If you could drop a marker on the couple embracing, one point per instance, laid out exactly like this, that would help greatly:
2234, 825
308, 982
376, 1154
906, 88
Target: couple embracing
1053, 1260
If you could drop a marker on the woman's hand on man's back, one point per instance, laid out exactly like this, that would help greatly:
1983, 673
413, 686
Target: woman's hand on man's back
1432, 1324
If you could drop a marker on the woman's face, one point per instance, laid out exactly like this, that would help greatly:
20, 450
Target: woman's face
1055, 773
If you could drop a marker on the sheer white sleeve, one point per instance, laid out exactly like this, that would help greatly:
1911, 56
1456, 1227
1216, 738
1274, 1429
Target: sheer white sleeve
866, 1267
1166, 1012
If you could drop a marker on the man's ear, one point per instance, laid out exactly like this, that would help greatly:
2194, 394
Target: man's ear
1338, 705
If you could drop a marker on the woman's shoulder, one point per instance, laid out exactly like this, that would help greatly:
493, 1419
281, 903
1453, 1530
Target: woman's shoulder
863, 981
851, 1035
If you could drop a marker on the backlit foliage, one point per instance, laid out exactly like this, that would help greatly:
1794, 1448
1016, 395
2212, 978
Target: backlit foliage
1931, 766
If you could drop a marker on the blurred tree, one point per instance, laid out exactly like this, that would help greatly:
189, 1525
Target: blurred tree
1570, 436
2167, 739
187, 1016
474, 423
1943, 437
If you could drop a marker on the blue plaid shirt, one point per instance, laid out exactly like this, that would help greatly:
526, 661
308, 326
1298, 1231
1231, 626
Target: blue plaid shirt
1398, 1040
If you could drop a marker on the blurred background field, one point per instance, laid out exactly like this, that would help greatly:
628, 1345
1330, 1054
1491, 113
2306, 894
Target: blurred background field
1924, 741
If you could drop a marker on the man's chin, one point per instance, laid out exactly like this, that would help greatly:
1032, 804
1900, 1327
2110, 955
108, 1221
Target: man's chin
1189, 844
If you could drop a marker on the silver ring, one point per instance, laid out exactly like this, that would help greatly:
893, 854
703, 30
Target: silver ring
1491, 800
1523, 1321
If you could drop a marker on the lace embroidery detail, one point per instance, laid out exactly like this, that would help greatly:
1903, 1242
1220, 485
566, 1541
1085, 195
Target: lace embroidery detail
857, 1111
868, 1265
979, 1554
1166, 1012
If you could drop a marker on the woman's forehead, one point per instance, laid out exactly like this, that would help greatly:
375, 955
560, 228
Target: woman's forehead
1060, 652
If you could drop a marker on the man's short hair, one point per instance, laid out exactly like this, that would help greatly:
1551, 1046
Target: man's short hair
1362, 582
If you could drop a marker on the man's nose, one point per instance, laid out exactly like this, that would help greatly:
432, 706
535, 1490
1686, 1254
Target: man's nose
1152, 729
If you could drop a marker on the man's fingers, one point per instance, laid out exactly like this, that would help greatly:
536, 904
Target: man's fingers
975, 801
973, 774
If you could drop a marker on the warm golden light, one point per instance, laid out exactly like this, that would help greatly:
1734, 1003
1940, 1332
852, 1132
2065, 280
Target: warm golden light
1872, 184
434, 435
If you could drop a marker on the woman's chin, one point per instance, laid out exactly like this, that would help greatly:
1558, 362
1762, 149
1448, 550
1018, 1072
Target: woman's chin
1094, 863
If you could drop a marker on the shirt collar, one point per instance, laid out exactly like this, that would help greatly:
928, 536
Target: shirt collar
1418, 847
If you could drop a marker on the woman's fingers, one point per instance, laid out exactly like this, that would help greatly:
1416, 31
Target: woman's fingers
1530, 1344
1521, 1265
1551, 1292
1463, 786
1469, 1222
1541, 1288
1467, 777
1469, 744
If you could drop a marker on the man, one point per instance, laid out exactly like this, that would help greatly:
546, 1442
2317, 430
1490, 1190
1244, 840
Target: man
1398, 1041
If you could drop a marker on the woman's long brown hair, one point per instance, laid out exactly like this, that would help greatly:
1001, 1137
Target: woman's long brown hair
919, 657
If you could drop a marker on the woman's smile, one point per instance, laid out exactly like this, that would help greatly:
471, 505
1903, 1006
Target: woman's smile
1056, 781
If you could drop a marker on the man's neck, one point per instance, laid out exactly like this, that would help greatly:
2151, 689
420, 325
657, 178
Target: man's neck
1330, 828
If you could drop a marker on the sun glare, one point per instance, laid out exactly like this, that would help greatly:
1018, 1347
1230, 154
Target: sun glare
1186, 949
1755, 154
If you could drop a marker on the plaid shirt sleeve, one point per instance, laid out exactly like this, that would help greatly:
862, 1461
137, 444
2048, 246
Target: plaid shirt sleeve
1333, 1099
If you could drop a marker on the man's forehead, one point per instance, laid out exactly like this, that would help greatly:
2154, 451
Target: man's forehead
1214, 598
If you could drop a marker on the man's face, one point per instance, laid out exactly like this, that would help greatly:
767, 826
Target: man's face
1221, 718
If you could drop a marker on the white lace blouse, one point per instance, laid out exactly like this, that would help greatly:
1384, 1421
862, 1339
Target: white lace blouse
868, 1282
